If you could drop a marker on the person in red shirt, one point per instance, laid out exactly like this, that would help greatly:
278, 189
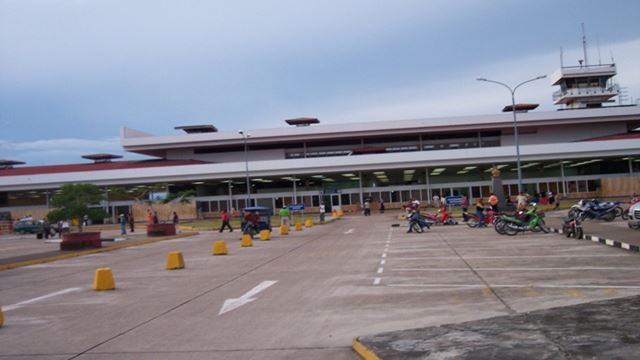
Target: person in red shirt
225, 221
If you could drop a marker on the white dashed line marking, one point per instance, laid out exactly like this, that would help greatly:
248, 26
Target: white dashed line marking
30, 301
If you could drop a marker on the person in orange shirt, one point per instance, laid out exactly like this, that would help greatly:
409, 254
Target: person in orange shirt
493, 201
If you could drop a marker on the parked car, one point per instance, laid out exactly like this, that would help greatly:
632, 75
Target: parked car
27, 226
634, 216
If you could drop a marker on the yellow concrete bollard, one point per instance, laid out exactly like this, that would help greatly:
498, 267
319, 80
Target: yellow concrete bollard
175, 260
298, 226
265, 235
284, 230
308, 223
246, 241
340, 213
219, 248
103, 279
1, 317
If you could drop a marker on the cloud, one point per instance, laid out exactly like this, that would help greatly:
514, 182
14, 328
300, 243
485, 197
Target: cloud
463, 95
61, 151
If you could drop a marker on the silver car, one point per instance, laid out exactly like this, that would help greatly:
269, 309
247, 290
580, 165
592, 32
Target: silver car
634, 216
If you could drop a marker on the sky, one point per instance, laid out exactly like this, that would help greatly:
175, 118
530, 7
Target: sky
74, 72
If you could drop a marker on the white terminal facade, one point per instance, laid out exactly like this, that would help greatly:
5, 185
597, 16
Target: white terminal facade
568, 151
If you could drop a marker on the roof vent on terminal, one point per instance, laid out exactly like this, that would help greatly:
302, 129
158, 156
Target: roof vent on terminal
520, 108
197, 129
303, 121
101, 158
8, 164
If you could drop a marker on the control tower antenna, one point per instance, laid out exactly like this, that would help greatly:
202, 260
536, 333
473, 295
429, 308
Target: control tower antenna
598, 46
561, 57
584, 46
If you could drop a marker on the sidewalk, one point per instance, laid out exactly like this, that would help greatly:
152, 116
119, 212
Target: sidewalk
25, 250
604, 330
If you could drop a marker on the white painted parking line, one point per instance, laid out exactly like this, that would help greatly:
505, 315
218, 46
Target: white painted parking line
380, 270
504, 286
30, 301
518, 269
573, 256
384, 255
382, 262
376, 281
349, 231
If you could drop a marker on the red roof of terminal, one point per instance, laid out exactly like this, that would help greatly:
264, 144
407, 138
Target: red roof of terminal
116, 165
634, 135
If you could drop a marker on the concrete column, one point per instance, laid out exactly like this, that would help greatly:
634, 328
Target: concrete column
230, 201
630, 167
428, 181
295, 195
564, 185
360, 185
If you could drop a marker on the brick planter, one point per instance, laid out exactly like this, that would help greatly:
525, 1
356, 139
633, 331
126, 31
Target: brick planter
80, 240
161, 230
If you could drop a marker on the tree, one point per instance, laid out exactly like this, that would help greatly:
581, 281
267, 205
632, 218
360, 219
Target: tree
72, 202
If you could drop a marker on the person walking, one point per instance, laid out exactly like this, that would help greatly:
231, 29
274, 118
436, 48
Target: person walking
381, 206
176, 220
322, 212
132, 223
367, 208
284, 215
224, 216
123, 225
46, 228
521, 200
464, 204
480, 212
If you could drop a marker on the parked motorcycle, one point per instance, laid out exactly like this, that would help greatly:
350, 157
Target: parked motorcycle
474, 220
441, 218
595, 209
625, 213
572, 227
531, 222
417, 223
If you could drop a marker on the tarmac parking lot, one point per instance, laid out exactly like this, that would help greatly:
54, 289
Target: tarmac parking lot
305, 295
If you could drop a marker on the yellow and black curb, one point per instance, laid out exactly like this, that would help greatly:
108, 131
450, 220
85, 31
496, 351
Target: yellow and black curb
363, 351
68, 255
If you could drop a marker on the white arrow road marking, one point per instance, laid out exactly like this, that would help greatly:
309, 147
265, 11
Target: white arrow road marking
232, 304
26, 302
349, 231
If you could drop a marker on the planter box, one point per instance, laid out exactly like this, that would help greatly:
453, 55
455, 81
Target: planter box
80, 240
161, 230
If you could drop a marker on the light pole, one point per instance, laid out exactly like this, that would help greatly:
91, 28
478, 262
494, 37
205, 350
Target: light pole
246, 165
515, 124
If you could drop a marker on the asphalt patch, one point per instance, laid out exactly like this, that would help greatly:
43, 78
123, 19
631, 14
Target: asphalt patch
601, 330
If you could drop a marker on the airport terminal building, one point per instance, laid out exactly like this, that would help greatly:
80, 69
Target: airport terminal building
584, 149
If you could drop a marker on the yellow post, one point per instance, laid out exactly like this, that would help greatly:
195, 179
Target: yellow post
103, 279
284, 230
308, 223
246, 241
175, 260
219, 248
298, 226
265, 235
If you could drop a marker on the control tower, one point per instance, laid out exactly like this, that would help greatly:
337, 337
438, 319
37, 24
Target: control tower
584, 86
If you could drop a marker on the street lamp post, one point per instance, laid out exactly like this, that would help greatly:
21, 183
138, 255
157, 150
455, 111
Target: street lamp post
246, 165
515, 124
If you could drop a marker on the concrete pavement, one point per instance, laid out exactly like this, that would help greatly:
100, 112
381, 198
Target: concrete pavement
332, 283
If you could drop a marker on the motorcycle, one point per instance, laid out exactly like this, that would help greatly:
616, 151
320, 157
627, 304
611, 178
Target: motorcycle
417, 223
625, 213
531, 222
441, 218
474, 220
595, 209
572, 227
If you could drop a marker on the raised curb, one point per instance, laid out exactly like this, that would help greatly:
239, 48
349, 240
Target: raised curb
363, 351
92, 251
604, 241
